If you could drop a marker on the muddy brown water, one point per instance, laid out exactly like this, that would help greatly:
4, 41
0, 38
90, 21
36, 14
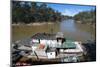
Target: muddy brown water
70, 29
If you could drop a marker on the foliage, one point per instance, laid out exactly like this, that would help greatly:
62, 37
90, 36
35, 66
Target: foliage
86, 16
29, 12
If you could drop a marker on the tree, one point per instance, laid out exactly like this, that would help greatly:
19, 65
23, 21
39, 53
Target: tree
86, 16
29, 12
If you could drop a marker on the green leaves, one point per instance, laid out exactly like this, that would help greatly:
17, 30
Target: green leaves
86, 17
27, 12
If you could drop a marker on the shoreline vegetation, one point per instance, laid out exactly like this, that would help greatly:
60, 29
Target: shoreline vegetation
25, 13
35, 13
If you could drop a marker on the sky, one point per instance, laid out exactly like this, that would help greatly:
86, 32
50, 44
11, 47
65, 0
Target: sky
70, 9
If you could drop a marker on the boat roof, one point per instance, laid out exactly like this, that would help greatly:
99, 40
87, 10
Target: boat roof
46, 36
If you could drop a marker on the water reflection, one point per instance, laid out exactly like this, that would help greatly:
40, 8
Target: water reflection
81, 32
67, 25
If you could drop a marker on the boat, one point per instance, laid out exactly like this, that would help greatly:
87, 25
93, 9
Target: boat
48, 47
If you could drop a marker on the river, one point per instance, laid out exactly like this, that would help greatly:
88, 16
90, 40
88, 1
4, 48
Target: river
77, 31
70, 29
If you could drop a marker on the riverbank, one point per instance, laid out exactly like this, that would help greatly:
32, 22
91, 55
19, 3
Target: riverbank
90, 23
34, 23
